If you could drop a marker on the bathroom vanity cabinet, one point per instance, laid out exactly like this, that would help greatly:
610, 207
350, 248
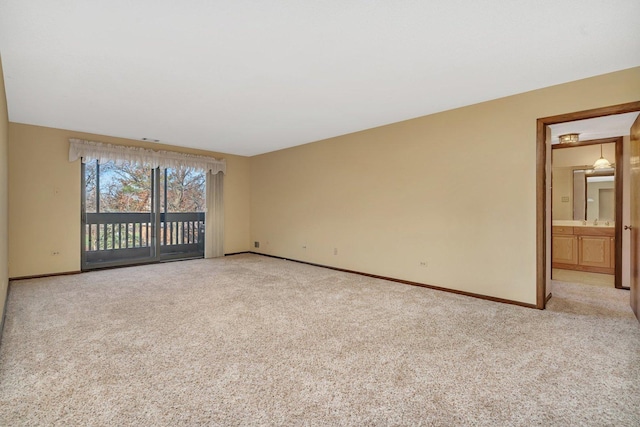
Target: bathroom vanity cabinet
584, 248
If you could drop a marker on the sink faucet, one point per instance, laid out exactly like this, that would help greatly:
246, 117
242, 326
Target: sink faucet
595, 221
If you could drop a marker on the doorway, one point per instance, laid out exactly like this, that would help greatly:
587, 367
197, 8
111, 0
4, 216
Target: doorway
543, 193
586, 204
133, 214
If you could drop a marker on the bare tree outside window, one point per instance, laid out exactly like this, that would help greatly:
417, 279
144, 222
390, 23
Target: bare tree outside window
90, 179
125, 187
185, 190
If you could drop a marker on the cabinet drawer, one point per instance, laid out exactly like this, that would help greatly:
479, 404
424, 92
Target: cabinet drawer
556, 229
595, 231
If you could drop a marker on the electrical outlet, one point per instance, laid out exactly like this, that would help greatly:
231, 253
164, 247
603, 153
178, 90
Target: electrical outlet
335, 251
256, 244
54, 253
424, 264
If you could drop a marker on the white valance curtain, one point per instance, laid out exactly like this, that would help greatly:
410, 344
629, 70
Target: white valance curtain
91, 150
214, 214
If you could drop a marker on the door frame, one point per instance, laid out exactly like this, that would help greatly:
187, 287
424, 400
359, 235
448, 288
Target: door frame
542, 185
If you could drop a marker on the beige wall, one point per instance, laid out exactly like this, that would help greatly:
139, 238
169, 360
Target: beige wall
583, 156
4, 194
44, 199
562, 187
394, 197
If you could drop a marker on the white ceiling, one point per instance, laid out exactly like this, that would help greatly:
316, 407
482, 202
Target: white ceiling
600, 127
247, 76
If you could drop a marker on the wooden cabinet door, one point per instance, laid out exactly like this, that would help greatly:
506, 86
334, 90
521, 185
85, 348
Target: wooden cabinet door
594, 251
565, 249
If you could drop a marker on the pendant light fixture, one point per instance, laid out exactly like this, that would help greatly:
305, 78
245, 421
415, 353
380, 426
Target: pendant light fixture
602, 163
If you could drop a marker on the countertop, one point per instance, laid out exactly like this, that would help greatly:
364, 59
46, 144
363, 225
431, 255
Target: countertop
574, 223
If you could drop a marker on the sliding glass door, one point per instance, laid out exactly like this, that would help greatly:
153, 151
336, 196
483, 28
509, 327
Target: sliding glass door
133, 214
182, 204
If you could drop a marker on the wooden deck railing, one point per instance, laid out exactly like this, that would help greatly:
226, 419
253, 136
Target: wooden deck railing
118, 231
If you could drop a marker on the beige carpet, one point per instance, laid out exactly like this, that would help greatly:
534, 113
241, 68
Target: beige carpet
251, 340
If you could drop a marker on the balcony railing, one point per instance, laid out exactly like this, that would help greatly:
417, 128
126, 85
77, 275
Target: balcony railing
129, 235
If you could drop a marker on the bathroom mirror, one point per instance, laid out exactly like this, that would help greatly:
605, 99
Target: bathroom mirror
574, 182
594, 195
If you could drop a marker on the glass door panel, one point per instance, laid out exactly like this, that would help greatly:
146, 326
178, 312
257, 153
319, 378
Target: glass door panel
119, 223
182, 203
